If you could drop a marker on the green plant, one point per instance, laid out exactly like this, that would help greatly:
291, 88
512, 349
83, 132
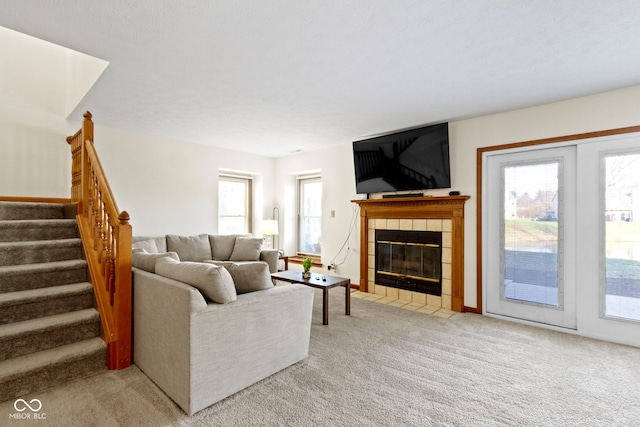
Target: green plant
306, 264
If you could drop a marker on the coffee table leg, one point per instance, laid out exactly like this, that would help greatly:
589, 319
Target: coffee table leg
325, 306
347, 300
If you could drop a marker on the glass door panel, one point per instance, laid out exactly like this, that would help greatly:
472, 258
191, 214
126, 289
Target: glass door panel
622, 236
529, 194
530, 230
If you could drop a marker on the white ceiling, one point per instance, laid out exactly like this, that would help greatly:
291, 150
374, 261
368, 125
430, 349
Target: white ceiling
272, 77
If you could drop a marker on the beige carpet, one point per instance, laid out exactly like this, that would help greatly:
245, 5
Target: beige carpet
386, 366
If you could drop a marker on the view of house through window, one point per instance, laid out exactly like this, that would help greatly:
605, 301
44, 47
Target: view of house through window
309, 215
234, 205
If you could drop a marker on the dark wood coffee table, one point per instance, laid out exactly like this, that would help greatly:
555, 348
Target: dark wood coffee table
316, 281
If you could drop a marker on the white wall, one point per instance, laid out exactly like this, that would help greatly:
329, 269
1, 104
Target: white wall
166, 186
599, 112
338, 189
171, 187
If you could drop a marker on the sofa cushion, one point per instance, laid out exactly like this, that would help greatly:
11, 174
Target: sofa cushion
148, 246
190, 248
248, 276
246, 249
147, 262
214, 282
222, 245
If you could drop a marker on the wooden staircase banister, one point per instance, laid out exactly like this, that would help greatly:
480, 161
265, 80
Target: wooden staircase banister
106, 236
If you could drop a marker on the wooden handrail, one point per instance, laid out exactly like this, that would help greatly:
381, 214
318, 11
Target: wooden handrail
106, 237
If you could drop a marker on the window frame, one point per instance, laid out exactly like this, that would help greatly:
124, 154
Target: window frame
301, 180
248, 181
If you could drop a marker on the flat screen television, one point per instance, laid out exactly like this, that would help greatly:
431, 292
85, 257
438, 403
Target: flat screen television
416, 159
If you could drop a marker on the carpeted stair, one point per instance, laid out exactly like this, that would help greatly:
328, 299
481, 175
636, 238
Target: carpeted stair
49, 329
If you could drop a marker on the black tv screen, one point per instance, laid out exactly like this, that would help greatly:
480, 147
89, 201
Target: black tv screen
417, 159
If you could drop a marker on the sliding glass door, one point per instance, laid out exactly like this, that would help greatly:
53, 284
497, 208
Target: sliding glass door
561, 239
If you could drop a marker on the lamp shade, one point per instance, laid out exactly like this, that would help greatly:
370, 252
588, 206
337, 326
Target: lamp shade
269, 227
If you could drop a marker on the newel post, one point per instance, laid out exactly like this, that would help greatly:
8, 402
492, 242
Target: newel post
87, 137
122, 304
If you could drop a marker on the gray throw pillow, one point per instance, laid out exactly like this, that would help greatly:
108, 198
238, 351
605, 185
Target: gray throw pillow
214, 282
148, 246
250, 276
147, 262
222, 245
190, 248
247, 249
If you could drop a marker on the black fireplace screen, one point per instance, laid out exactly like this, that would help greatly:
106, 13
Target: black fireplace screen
410, 260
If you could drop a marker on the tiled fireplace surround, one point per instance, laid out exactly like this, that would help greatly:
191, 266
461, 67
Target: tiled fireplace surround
441, 214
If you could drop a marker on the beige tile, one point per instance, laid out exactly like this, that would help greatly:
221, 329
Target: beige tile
404, 295
420, 225
434, 225
434, 300
446, 271
447, 225
371, 275
412, 306
381, 290
446, 301
447, 255
371, 235
444, 313
393, 292
447, 239
373, 297
381, 223
446, 286
418, 297
393, 224
428, 309
398, 303
406, 225
358, 294
386, 300
371, 247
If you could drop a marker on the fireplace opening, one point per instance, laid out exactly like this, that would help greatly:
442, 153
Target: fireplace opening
409, 260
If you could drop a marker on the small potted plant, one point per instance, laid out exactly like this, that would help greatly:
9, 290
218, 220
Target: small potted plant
306, 265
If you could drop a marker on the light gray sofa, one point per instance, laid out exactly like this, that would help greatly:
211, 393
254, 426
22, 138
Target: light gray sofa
201, 247
199, 351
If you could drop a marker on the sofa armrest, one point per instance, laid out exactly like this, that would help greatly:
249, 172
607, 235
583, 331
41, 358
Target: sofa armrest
270, 256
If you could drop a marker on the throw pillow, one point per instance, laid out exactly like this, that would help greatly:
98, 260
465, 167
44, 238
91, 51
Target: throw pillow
222, 245
214, 282
250, 276
147, 262
148, 246
246, 249
190, 248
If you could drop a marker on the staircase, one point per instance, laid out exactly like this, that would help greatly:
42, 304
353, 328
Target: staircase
49, 330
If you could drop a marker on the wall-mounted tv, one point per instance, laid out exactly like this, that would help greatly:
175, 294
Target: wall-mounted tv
416, 159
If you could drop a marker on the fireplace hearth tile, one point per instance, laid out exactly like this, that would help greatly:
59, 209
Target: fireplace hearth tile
405, 295
413, 306
386, 300
428, 309
444, 313
399, 303
373, 297
434, 300
446, 286
419, 297
446, 301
